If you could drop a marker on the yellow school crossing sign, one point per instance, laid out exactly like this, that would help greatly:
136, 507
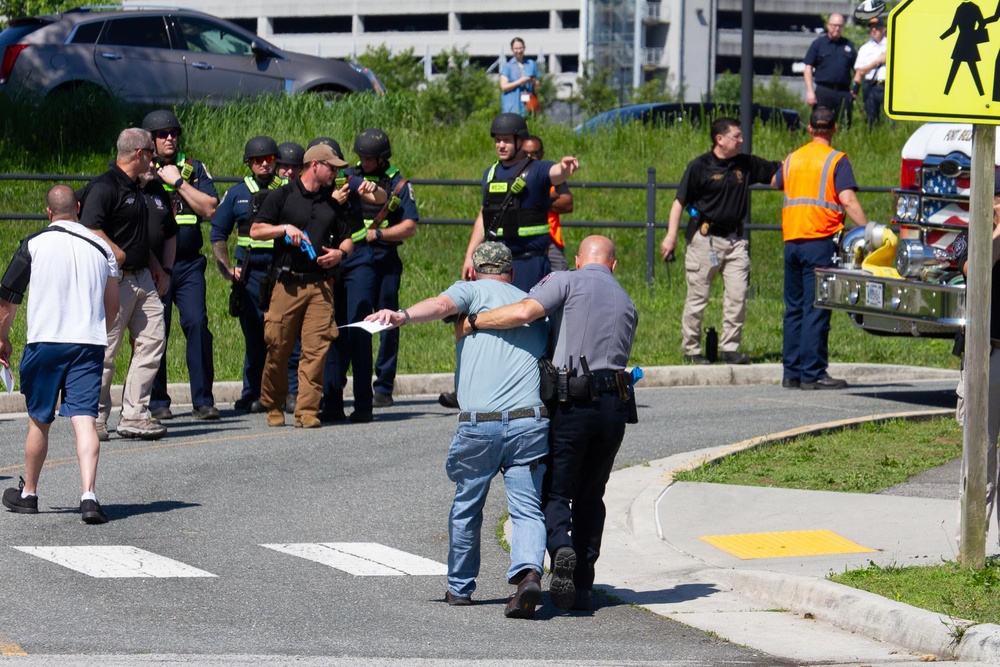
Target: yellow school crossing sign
943, 61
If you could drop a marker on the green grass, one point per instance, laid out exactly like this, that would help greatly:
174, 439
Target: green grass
862, 459
947, 588
45, 140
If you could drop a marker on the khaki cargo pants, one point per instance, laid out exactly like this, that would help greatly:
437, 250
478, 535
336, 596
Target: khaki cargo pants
732, 261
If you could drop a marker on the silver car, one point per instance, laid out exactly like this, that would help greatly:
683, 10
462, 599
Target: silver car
161, 57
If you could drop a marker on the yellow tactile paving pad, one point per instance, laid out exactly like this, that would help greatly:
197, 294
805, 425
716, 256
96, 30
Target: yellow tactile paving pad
782, 545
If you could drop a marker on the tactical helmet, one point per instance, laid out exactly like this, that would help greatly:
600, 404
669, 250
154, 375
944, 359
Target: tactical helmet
373, 142
509, 123
260, 146
329, 141
291, 153
160, 120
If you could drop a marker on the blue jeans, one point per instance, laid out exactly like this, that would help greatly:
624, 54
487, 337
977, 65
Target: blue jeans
478, 452
806, 328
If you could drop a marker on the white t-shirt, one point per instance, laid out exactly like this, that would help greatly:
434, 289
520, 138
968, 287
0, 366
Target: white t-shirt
868, 52
68, 276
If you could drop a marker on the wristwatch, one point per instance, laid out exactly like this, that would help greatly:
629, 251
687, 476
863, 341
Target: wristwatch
378, 234
472, 321
178, 183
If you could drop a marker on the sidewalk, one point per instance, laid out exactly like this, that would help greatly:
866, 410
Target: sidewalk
654, 556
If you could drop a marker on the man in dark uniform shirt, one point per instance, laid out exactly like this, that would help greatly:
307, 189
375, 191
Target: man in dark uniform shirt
112, 205
296, 216
829, 71
717, 185
194, 200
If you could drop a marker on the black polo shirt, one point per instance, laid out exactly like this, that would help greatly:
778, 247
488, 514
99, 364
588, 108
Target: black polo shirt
162, 225
317, 214
833, 61
720, 189
114, 204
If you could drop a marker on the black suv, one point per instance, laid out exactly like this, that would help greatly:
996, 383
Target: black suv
162, 57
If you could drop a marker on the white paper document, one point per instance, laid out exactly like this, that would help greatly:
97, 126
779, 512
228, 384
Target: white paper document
8, 378
370, 327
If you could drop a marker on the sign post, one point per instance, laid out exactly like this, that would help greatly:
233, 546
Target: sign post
943, 63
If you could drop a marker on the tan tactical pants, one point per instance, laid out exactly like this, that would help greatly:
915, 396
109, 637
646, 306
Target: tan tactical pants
732, 260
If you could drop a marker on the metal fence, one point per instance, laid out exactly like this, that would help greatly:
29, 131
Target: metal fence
650, 187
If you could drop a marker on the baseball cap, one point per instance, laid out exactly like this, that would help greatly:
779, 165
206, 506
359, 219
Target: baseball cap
492, 257
323, 153
822, 119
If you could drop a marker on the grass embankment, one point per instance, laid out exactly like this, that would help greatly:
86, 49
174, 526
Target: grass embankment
68, 141
866, 459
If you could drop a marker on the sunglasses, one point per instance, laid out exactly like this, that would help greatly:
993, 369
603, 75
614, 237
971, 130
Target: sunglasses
262, 159
168, 134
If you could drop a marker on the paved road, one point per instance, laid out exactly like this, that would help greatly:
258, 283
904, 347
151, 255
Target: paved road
210, 497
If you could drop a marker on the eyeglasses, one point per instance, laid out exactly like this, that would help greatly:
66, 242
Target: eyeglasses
834, 25
146, 149
326, 164
734, 137
533, 153
168, 134
262, 159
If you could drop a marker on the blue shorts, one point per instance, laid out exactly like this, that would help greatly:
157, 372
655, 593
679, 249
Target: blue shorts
67, 371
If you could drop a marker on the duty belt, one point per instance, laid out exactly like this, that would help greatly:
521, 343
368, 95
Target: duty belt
302, 278
520, 413
604, 382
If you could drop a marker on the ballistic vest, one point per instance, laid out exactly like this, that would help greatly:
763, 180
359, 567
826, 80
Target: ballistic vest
811, 209
511, 221
178, 203
369, 210
243, 227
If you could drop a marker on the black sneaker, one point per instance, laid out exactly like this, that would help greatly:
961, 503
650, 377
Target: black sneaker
13, 501
91, 512
161, 414
205, 412
696, 359
380, 400
562, 590
360, 417
449, 399
736, 358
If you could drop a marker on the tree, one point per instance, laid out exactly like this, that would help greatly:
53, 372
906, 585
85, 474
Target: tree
460, 91
595, 92
398, 72
14, 8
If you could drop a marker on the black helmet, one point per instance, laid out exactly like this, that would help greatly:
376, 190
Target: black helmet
260, 146
509, 123
329, 141
291, 153
373, 142
160, 120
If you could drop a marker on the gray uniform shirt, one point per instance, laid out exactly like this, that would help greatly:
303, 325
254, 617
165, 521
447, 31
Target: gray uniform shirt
589, 314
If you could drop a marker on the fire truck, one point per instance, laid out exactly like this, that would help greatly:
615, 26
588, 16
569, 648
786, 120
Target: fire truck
901, 279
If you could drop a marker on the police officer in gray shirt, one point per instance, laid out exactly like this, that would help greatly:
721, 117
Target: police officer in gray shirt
592, 327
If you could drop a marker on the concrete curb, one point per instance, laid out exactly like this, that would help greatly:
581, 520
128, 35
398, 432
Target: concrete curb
658, 376
840, 605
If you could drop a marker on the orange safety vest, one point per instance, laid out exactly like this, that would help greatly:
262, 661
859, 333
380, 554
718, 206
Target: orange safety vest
811, 209
555, 231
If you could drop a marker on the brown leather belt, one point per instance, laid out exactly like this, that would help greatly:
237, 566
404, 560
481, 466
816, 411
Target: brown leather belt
520, 413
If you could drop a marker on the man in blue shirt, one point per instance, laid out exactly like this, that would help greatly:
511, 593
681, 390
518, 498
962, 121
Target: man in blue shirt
518, 78
828, 73
504, 429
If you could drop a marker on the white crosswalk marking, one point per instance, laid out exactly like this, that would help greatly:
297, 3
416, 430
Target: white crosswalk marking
363, 559
115, 562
